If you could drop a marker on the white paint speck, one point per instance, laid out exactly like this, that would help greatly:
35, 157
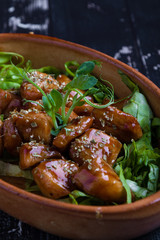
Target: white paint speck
11, 9
18, 229
148, 55
35, 4
157, 67
16, 22
158, 51
124, 50
92, 5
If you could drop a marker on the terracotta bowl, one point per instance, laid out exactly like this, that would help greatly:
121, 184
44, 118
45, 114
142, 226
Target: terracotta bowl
67, 220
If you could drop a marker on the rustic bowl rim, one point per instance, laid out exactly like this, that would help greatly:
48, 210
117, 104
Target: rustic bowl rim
153, 199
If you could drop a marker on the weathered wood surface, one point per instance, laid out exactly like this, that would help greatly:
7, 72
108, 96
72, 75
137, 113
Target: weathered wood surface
125, 29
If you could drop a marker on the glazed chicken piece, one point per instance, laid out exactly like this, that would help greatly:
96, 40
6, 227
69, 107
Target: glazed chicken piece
1, 137
98, 179
85, 109
74, 129
63, 80
31, 105
54, 177
121, 125
71, 117
32, 153
43, 80
12, 139
8, 102
15, 104
33, 125
119, 103
95, 144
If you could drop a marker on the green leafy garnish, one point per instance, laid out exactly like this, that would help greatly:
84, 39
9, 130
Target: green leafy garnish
141, 162
80, 198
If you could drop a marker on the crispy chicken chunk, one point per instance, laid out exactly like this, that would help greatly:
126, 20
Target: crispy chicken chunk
74, 129
33, 152
43, 80
95, 144
119, 124
33, 125
54, 177
98, 179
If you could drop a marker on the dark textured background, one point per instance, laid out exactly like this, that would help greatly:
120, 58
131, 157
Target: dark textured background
125, 29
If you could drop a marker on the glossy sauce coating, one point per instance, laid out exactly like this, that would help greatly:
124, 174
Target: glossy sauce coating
85, 109
54, 177
74, 129
95, 144
8, 100
117, 123
43, 80
35, 105
32, 153
71, 117
12, 139
33, 125
119, 103
63, 80
98, 179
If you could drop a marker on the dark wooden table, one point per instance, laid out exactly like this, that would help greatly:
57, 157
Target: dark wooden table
125, 29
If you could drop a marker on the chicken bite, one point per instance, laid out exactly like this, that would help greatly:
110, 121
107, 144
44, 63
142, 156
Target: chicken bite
33, 125
63, 80
98, 179
95, 144
32, 153
72, 115
119, 124
85, 109
43, 80
12, 139
8, 102
54, 177
74, 129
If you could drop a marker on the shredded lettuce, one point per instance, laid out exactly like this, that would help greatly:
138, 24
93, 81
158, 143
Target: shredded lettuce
141, 162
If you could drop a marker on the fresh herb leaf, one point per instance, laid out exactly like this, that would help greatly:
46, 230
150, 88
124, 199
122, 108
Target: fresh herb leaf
57, 97
138, 107
6, 57
125, 185
49, 70
86, 68
82, 82
139, 192
70, 64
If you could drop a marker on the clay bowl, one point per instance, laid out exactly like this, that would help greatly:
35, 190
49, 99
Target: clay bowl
67, 220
